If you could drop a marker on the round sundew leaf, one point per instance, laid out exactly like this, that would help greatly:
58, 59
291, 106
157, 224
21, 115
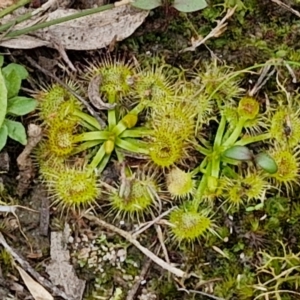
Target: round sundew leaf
189, 5
146, 4
266, 162
240, 153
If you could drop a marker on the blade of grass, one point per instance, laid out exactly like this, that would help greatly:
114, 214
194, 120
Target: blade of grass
13, 7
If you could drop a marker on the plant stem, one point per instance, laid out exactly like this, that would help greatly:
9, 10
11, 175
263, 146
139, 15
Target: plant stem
97, 158
111, 114
86, 145
137, 132
129, 146
235, 134
13, 7
203, 150
202, 186
92, 136
220, 132
253, 139
87, 118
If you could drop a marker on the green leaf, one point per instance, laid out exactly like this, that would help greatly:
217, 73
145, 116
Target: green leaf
240, 153
3, 99
20, 106
1, 60
20, 70
3, 136
13, 83
266, 162
189, 5
146, 4
16, 131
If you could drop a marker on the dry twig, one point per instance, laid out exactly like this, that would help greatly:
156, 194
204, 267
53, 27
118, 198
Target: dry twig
216, 32
177, 272
285, 6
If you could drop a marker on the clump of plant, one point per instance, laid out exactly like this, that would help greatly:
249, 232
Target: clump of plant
221, 157
12, 104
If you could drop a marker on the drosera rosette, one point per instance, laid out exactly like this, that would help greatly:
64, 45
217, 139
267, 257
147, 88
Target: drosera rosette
285, 126
116, 78
215, 81
73, 188
180, 184
178, 115
243, 190
167, 147
46, 162
60, 137
288, 163
136, 195
189, 223
202, 105
55, 101
153, 85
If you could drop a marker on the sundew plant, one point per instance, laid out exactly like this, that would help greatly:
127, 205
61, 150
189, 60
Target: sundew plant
203, 143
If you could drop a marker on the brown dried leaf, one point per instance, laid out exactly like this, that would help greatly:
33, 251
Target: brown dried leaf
37, 291
87, 33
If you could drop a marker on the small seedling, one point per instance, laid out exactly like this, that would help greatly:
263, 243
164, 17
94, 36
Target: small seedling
12, 105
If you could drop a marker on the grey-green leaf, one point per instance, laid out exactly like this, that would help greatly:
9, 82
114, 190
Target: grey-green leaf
3, 136
146, 4
240, 153
16, 131
189, 5
266, 162
20, 106
13, 83
3, 99
20, 70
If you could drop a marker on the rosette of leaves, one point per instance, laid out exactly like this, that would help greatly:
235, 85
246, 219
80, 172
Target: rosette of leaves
12, 105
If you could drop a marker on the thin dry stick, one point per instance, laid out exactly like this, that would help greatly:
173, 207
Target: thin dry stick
25, 265
162, 243
149, 224
216, 32
293, 11
83, 101
131, 294
177, 272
